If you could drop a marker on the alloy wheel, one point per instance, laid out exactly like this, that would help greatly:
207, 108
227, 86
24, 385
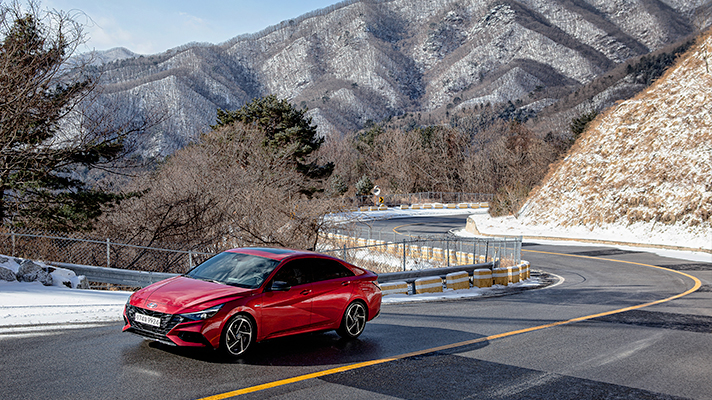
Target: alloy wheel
354, 320
238, 335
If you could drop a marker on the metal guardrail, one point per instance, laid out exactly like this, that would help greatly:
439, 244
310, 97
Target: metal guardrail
123, 277
84, 250
131, 278
411, 276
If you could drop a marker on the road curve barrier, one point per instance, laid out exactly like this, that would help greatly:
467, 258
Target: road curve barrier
438, 255
431, 284
389, 288
453, 278
500, 276
482, 278
426, 206
514, 275
457, 280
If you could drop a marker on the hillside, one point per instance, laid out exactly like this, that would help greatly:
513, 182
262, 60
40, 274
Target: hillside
361, 61
643, 169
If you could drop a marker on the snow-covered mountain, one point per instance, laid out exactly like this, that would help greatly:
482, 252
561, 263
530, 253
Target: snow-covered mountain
360, 61
645, 166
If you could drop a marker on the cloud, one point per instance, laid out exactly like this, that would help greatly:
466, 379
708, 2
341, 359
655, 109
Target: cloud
192, 21
107, 33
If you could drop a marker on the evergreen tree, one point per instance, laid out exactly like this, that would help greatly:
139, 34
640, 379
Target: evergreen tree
287, 132
41, 152
578, 125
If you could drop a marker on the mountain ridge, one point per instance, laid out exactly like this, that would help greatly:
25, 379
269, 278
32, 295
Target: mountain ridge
361, 61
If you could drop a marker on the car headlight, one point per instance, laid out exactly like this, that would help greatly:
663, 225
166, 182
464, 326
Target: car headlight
201, 315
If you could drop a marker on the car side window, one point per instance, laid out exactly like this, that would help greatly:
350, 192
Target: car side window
325, 269
295, 273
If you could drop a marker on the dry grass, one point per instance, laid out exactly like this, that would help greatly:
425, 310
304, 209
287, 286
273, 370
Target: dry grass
649, 159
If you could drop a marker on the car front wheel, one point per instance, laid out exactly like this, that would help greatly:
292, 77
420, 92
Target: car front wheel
238, 336
353, 322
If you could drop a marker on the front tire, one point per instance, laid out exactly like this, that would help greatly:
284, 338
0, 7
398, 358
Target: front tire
238, 336
354, 321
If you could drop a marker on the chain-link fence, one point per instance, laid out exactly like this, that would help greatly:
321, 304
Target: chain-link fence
384, 256
378, 251
419, 198
79, 249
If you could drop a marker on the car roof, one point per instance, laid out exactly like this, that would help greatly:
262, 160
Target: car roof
277, 254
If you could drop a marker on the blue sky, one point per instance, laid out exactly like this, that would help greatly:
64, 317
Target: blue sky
152, 26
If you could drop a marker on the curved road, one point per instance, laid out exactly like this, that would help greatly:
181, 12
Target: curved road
520, 346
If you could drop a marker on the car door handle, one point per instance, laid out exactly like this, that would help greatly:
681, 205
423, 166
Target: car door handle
345, 283
305, 292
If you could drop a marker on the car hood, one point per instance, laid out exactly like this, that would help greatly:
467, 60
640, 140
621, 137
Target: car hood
181, 294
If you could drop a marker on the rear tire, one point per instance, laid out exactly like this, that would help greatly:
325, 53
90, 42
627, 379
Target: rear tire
238, 336
354, 321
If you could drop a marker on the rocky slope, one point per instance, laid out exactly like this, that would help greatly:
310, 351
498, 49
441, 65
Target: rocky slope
643, 166
367, 60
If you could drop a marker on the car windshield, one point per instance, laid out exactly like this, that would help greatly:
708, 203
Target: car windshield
242, 270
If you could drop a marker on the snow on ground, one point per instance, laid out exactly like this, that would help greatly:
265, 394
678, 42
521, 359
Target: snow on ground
396, 212
638, 237
31, 306
60, 276
644, 236
24, 304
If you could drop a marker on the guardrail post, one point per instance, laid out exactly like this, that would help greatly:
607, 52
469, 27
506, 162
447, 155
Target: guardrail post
519, 249
447, 250
190, 259
475, 250
486, 249
108, 253
403, 254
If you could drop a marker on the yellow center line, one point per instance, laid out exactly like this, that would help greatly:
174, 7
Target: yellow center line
400, 226
350, 367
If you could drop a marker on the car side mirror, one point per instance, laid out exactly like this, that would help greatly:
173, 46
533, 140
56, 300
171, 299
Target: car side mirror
279, 286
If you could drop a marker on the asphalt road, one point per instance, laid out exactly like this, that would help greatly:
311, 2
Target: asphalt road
661, 351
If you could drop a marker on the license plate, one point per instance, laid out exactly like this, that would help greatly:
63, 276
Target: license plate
145, 319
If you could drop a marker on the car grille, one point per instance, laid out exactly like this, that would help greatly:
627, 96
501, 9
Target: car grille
168, 322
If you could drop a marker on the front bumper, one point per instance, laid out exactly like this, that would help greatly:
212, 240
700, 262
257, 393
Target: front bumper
173, 331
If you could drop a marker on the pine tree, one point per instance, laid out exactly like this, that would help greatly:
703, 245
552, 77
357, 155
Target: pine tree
287, 132
41, 152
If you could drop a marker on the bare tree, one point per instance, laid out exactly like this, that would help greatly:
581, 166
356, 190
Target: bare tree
225, 191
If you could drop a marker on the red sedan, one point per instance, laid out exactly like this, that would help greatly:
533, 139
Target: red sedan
243, 296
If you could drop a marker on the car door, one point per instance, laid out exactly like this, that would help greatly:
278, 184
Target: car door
288, 309
332, 289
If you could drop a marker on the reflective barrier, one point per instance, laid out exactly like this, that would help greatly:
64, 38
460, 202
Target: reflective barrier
482, 278
394, 288
438, 255
514, 274
457, 280
433, 284
500, 276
